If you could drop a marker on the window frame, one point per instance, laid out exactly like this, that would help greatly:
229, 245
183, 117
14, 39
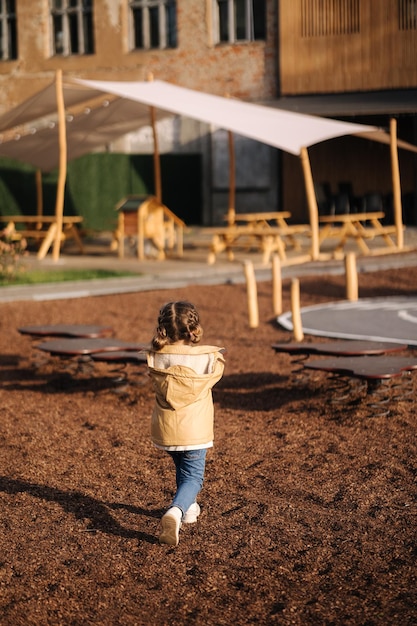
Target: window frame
407, 15
317, 20
82, 14
228, 10
8, 31
165, 38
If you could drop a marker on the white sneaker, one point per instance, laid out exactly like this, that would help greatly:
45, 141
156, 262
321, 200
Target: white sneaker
171, 524
191, 514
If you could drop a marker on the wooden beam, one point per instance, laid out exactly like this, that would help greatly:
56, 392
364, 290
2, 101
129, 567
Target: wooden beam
156, 156
231, 215
60, 192
396, 184
312, 204
39, 195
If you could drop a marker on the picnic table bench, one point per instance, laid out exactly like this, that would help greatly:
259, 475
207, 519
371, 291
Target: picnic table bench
358, 227
43, 227
267, 232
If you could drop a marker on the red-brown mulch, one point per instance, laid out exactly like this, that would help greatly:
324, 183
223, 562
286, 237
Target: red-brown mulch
308, 509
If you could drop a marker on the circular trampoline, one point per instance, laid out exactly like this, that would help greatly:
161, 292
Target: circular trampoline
392, 319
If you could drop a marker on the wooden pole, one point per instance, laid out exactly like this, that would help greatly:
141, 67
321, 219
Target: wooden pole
231, 215
276, 285
296, 311
60, 193
156, 156
396, 184
312, 204
252, 295
351, 276
39, 197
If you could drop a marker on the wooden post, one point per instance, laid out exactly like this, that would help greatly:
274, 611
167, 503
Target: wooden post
276, 285
156, 157
252, 295
396, 184
295, 310
351, 276
231, 215
39, 197
60, 192
312, 204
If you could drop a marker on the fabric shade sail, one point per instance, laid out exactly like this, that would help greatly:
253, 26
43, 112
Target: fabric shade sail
280, 129
98, 112
91, 123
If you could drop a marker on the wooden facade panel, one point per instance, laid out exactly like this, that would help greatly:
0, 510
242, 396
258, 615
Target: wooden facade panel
347, 45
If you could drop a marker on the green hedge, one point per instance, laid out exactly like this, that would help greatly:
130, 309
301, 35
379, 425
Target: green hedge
96, 183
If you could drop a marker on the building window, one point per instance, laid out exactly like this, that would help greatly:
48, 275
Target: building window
239, 20
323, 18
153, 24
407, 11
8, 30
72, 27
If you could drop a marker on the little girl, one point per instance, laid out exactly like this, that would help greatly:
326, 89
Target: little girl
183, 375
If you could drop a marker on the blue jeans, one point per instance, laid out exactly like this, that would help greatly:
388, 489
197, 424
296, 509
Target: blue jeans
189, 475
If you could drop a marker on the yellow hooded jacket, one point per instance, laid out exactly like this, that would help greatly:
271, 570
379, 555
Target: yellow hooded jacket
183, 415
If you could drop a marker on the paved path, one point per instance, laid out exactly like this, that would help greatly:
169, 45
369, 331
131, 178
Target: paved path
192, 269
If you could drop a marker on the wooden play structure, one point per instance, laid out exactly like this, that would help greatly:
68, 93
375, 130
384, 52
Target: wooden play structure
145, 218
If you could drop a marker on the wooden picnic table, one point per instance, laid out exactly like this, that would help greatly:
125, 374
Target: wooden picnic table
43, 227
279, 218
275, 219
358, 227
267, 232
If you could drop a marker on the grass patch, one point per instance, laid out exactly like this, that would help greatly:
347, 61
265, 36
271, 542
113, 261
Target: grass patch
35, 277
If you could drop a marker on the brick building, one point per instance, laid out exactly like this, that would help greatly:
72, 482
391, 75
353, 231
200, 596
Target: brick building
341, 58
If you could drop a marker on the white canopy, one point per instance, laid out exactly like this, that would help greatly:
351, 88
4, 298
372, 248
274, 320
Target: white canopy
281, 129
99, 112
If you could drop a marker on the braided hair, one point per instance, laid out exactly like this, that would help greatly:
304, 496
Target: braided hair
177, 321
